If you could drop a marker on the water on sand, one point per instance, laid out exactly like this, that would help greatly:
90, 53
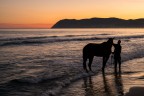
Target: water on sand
35, 62
130, 82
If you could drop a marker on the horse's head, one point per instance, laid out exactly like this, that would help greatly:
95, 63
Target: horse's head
110, 41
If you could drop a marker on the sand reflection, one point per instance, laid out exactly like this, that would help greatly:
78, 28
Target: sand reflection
88, 86
107, 85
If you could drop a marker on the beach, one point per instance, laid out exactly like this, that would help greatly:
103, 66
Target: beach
128, 82
48, 62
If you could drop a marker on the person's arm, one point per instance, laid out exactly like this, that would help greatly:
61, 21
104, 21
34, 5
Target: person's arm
120, 49
113, 49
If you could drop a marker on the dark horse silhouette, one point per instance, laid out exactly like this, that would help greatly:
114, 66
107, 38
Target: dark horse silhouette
100, 50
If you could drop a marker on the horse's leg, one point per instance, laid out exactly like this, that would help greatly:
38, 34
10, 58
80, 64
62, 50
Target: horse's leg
105, 59
90, 62
84, 64
103, 63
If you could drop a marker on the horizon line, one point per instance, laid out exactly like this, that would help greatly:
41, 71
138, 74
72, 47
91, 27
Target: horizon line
46, 25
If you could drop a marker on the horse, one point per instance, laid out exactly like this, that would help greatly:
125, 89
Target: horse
100, 50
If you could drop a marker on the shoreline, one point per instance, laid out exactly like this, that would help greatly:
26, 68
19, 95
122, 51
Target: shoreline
130, 82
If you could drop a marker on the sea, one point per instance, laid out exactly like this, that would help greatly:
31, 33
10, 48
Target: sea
42, 62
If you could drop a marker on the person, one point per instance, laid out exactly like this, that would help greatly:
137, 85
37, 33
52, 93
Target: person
117, 55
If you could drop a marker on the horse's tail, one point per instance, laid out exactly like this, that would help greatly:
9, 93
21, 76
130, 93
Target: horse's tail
84, 59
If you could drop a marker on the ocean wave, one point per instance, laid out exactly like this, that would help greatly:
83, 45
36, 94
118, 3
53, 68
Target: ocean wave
53, 39
24, 38
58, 82
42, 37
46, 40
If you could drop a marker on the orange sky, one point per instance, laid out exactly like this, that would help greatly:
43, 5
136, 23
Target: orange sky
45, 13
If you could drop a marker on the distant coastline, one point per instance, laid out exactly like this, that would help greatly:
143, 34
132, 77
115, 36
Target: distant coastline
100, 23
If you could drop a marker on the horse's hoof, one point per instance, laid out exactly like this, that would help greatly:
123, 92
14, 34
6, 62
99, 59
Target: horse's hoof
86, 71
92, 71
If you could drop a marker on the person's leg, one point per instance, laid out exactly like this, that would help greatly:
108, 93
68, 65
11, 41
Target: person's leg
115, 62
119, 61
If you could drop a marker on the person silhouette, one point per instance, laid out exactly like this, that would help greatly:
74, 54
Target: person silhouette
117, 55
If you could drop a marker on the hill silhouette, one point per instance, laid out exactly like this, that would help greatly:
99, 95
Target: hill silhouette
100, 23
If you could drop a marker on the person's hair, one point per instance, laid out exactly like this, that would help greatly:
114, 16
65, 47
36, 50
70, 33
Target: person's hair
119, 41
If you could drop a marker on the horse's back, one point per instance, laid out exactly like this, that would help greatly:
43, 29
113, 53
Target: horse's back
93, 49
92, 46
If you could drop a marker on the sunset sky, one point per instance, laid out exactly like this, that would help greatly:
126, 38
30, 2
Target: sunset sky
45, 13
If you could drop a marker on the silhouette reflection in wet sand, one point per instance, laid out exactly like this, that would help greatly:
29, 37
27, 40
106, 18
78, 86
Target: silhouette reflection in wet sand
119, 84
88, 86
108, 86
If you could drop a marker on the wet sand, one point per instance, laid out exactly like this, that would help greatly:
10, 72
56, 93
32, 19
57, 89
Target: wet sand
128, 82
